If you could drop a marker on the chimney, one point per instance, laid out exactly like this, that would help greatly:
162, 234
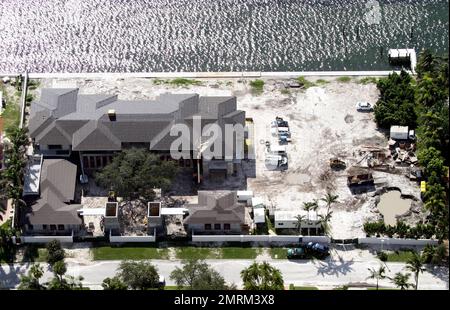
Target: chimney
112, 114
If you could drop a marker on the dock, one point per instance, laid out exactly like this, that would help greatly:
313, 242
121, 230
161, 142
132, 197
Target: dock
402, 56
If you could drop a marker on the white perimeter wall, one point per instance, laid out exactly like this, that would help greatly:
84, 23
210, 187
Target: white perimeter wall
259, 238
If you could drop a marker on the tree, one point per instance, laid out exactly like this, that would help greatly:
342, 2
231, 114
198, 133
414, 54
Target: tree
113, 283
15, 162
415, 265
262, 277
329, 199
59, 269
138, 275
377, 274
134, 173
311, 205
198, 275
298, 225
55, 252
31, 280
62, 282
324, 221
401, 280
425, 63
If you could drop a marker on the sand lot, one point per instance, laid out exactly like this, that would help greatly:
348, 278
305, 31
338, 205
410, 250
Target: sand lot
324, 123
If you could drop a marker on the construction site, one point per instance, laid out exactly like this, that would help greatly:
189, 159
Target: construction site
329, 146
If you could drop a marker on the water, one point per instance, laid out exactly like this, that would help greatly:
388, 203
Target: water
391, 204
214, 35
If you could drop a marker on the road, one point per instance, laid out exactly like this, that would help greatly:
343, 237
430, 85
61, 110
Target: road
322, 274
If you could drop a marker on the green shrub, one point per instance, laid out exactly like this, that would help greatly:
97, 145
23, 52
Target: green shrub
368, 80
321, 82
382, 256
257, 86
304, 82
344, 79
55, 252
184, 82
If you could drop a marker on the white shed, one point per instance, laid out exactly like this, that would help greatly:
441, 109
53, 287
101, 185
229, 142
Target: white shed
259, 215
244, 196
399, 132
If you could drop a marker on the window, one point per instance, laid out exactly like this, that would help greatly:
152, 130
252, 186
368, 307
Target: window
85, 162
60, 227
226, 226
30, 227
54, 147
98, 160
217, 226
207, 226
52, 227
280, 224
91, 162
44, 227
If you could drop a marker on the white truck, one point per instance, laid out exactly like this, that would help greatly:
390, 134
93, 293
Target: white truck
401, 133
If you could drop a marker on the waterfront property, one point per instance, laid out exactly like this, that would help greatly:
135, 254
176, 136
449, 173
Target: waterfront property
96, 126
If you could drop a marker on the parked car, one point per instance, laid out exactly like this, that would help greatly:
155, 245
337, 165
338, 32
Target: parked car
296, 253
364, 106
317, 249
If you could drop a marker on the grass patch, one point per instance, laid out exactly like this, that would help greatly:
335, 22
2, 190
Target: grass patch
304, 82
239, 253
322, 82
33, 253
344, 79
173, 288
382, 289
302, 288
184, 82
285, 91
399, 256
197, 253
368, 80
278, 253
159, 81
122, 253
257, 86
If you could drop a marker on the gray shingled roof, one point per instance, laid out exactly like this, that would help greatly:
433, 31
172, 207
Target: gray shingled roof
58, 180
65, 117
216, 207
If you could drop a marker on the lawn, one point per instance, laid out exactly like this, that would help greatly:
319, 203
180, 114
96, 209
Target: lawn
122, 253
399, 256
240, 253
11, 116
303, 288
280, 253
217, 253
197, 253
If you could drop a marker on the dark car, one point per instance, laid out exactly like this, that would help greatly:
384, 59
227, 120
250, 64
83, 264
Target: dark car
317, 249
296, 253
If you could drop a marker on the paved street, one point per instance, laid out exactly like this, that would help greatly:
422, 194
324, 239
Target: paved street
323, 274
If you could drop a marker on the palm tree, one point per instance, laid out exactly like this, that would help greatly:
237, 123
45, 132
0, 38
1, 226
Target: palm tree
324, 221
298, 224
401, 280
310, 206
415, 265
377, 274
329, 199
262, 277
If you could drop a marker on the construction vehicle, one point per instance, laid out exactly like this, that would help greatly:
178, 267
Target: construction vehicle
336, 163
276, 161
356, 179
